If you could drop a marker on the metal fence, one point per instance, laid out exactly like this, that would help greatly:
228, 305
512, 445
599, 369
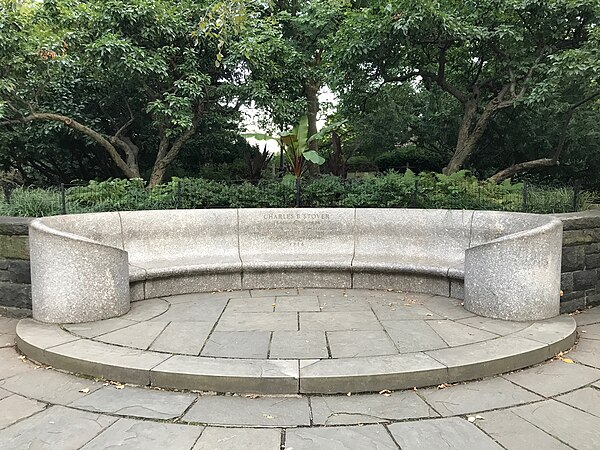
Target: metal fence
390, 192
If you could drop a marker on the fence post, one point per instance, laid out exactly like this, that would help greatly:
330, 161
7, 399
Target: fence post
298, 192
415, 193
63, 199
525, 195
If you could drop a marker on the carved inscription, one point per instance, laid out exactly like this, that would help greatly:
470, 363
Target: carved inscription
297, 228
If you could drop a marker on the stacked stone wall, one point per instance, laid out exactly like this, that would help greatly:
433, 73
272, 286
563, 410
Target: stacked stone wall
15, 287
580, 279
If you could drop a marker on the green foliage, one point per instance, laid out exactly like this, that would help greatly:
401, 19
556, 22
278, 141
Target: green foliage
392, 190
360, 163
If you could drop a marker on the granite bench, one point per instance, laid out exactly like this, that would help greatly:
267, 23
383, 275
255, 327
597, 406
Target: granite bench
89, 267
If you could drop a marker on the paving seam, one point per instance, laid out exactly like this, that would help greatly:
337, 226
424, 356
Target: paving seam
46, 406
385, 427
487, 434
93, 338
573, 406
544, 431
214, 326
282, 439
384, 329
269, 346
156, 337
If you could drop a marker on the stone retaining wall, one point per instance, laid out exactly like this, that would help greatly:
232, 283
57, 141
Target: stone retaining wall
15, 288
580, 261
580, 279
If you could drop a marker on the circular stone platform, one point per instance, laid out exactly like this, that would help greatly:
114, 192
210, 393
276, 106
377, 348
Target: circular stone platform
296, 340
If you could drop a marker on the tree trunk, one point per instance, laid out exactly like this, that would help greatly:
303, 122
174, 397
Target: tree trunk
311, 90
522, 167
105, 143
464, 144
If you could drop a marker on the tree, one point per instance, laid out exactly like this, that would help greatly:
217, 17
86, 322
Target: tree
489, 55
136, 78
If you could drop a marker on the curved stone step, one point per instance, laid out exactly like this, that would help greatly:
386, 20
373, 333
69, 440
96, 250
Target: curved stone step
50, 344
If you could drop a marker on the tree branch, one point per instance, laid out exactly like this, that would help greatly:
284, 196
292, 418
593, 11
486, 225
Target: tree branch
74, 125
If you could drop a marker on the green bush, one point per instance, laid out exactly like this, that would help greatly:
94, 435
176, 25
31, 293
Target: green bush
391, 190
360, 163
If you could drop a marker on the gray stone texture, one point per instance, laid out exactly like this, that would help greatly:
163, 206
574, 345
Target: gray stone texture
572, 426
143, 435
298, 345
369, 408
382, 255
554, 377
441, 434
477, 396
93, 276
56, 427
515, 277
238, 344
334, 438
15, 407
238, 438
136, 402
261, 411
515, 433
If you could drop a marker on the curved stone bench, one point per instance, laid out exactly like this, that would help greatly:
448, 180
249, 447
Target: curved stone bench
88, 267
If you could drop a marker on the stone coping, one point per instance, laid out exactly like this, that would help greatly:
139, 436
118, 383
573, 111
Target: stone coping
510, 262
140, 348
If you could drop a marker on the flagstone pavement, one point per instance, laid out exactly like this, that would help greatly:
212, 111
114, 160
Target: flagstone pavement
555, 405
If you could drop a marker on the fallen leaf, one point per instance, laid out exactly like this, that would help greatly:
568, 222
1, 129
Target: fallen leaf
268, 416
119, 386
385, 392
84, 390
443, 386
567, 360
349, 394
471, 419
478, 417
251, 395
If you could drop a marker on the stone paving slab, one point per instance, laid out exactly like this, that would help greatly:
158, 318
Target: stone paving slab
50, 386
515, 433
413, 335
93, 329
251, 305
573, 427
365, 408
500, 327
136, 402
8, 325
261, 411
238, 344
273, 292
441, 434
141, 335
373, 437
299, 345
457, 334
335, 303
147, 309
7, 340
276, 321
299, 303
205, 310
590, 331
586, 352
477, 396
15, 407
587, 400
353, 344
56, 427
338, 321
143, 435
238, 438
11, 364
554, 377
185, 338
